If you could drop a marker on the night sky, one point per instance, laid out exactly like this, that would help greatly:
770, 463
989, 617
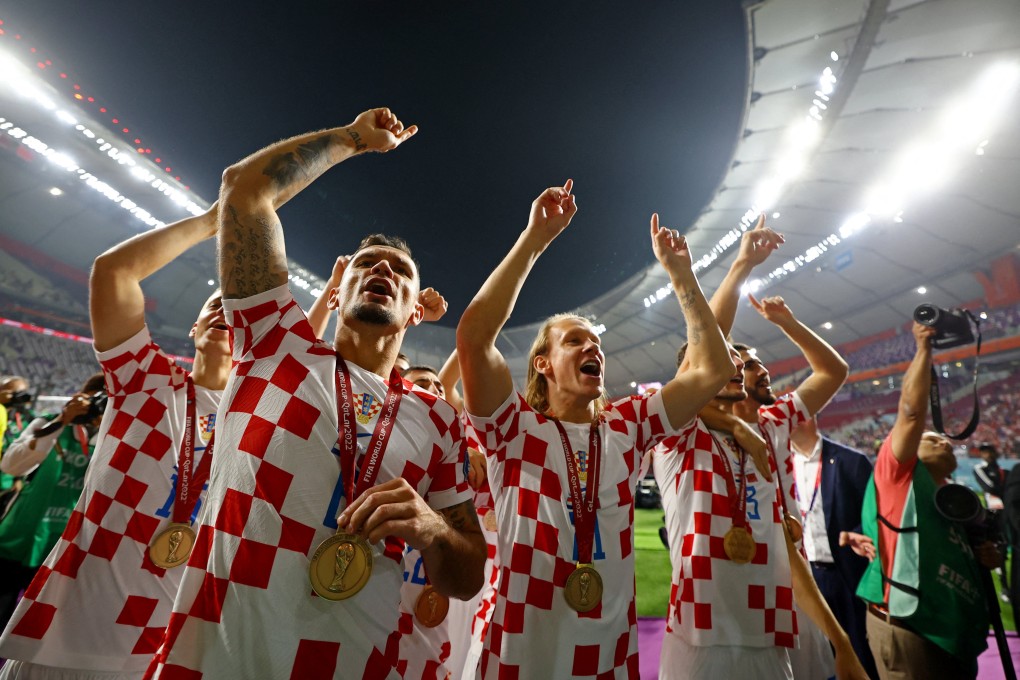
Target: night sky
639, 103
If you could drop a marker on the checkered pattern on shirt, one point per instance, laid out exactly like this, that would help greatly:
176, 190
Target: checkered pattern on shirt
98, 602
424, 652
779, 420
534, 633
245, 608
715, 601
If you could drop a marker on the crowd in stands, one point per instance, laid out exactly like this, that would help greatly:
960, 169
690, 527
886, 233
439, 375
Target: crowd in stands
54, 366
19, 281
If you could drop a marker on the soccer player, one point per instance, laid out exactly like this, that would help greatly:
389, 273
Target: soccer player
563, 462
735, 572
99, 604
334, 466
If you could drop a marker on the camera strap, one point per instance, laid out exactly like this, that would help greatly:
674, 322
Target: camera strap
936, 402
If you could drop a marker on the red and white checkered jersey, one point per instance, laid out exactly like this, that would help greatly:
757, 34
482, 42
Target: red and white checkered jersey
469, 620
431, 652
98, 602
534, 633
779, 420
715, 601
245, 608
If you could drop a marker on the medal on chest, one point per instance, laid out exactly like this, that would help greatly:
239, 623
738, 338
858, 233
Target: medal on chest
584, 588
342, 564
172, 546
738, 543
431, 607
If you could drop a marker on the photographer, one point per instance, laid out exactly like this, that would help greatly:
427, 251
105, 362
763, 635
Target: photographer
927, 613
53, 454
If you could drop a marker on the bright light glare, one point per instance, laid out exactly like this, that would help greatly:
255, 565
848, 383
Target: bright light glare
921, 290
55, 191
827, 325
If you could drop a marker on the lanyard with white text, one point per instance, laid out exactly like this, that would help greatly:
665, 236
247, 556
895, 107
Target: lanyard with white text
347, 431
188, 476
584, 507
738, 502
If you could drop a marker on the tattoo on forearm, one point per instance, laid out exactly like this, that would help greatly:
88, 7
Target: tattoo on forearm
462, 517
687, 300
356, 138
246, 255
694, 332
306, 162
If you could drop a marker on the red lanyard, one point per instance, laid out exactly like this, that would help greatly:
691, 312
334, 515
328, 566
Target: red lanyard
584, 508
83, 438
738, 502
347, 431
187, 476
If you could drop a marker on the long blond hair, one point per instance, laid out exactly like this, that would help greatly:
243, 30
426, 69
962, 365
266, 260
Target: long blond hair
536, 391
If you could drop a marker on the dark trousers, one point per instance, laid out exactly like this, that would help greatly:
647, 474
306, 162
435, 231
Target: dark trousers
14, 577
848, 609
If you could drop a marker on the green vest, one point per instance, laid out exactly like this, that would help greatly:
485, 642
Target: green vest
39, 515
935, 586
16, 422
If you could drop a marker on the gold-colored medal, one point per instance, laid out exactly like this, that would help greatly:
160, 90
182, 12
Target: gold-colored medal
172, 546
341, 566
739, 545
431, 607
793, 526
489, 520
583, 590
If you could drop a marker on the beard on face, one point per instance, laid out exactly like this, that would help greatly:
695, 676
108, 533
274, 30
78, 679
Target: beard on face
373, 314
762, 395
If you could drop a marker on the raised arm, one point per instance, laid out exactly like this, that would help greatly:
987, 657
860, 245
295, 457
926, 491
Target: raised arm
810, 601
913, 408
755, 247
116, 301
318, 313
828, 369
252, 257
485, 375
707, 365
449, 375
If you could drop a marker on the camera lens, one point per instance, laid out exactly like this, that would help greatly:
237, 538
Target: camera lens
927, 314
957, 503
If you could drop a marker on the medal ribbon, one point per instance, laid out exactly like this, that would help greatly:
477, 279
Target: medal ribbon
187, 476
738, 502
347, 432
584, 508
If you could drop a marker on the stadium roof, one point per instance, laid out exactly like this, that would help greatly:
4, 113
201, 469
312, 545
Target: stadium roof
877, 136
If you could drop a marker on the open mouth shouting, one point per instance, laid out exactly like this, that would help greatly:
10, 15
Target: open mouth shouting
592, 367
379, 286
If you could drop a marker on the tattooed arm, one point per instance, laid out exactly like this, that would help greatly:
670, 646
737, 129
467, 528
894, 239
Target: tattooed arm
450, 540
707, 365
252, 258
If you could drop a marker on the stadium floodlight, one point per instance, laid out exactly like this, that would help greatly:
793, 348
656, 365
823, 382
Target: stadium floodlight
827, 325
56, 192
65, 117
921, 290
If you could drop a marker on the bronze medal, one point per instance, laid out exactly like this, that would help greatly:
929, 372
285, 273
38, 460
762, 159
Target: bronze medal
341, 566
489, 520
583, 590
793, 526
172, 546
739, 545
431, 607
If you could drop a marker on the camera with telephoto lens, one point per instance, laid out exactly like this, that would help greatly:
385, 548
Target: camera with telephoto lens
97, 407
952, 327
20, 398
957, 503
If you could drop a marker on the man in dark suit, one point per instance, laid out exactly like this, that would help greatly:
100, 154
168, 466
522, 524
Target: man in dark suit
831, 479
